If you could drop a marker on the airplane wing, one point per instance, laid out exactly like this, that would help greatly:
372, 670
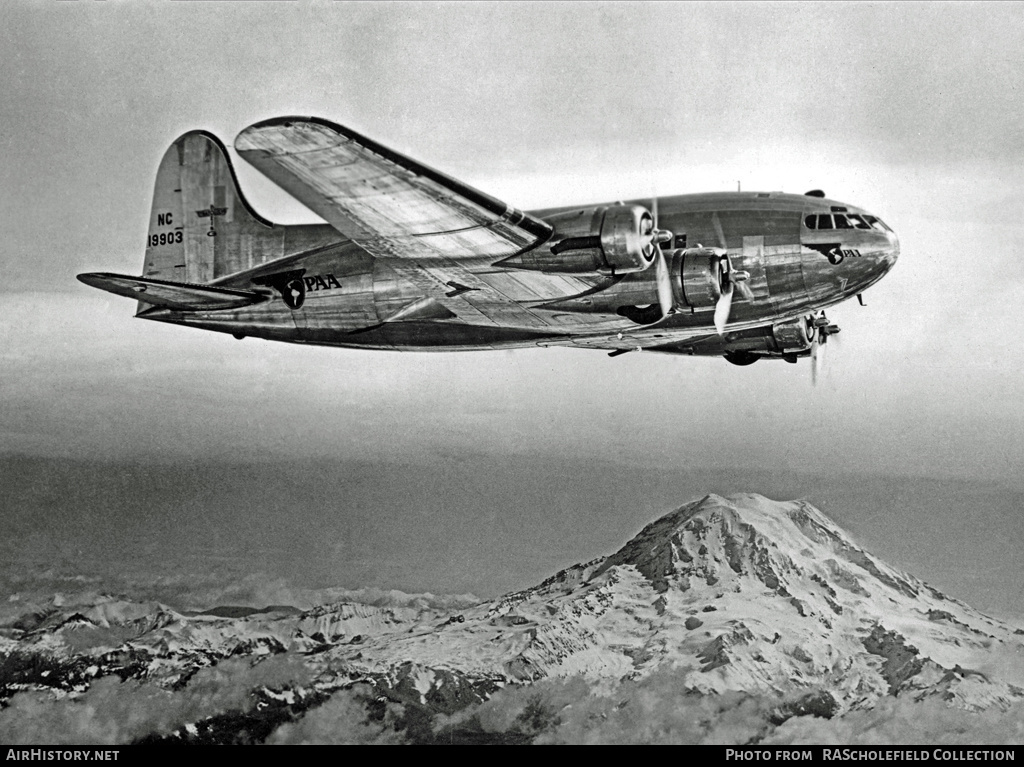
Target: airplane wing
391, 205
437, 232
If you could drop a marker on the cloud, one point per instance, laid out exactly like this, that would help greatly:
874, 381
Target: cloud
343, 720
901, 721
115, 712
657, 709
661, 709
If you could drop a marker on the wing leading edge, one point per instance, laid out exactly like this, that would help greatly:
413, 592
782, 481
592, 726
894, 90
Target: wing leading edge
390, 204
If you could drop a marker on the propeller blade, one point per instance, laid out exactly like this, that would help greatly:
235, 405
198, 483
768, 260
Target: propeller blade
820, 331
815, 356
718, 230
722, 309
664, 281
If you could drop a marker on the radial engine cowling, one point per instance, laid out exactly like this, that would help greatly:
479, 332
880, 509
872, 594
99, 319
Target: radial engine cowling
698, 277
610, 240
792, 336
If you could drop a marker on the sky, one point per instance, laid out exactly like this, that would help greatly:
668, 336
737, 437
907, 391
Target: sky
139, 449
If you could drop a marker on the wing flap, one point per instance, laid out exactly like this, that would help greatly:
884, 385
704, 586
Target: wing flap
172, 295
388, 203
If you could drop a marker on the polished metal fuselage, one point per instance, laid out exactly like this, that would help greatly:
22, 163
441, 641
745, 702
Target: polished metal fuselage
350, 296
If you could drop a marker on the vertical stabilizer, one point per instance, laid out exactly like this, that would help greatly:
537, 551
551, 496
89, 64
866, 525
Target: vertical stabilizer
200, 227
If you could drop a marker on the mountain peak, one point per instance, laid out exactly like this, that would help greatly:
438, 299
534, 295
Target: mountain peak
725, 593
756, 594
718, 542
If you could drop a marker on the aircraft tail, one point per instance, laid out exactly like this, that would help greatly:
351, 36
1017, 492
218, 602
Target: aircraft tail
201, 227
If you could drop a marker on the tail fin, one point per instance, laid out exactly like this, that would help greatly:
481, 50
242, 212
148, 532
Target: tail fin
201, 227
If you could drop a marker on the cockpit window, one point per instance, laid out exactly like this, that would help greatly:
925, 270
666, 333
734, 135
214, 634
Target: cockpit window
877, 223
845, 221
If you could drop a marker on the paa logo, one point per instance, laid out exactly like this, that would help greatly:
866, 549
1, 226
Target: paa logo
293, 285
833, 252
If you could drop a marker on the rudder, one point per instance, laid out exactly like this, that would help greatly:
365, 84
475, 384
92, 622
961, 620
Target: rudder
200, 226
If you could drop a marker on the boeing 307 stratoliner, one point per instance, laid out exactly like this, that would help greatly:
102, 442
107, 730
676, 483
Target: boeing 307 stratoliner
411, 259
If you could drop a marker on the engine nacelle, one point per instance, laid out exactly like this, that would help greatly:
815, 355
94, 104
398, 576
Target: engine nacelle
698, 277
784, 340
609, 240
792, 336
626, 238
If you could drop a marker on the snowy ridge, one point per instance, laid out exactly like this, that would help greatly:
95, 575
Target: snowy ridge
746, 594
735, 593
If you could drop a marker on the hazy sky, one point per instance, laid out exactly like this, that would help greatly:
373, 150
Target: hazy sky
912, 111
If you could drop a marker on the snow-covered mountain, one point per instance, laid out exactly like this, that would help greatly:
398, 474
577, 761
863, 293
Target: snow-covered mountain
728, 594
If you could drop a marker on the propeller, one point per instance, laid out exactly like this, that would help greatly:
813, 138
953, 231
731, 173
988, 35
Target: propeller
723, 307
816, 357
732, 280
662, 275
821, 329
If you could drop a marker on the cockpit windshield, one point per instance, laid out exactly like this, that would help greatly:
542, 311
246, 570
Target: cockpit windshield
845, 221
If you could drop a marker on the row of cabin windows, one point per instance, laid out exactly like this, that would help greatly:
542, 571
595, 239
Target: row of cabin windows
845, 221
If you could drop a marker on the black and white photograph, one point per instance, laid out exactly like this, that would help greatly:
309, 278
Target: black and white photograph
512, 373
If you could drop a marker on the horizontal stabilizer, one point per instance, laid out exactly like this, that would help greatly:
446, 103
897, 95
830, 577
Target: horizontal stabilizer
172, 295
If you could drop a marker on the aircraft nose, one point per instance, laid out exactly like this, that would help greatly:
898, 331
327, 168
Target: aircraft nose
893, 250
884, 252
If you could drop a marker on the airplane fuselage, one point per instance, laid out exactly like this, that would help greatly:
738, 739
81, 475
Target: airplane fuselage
412, 259
331, 292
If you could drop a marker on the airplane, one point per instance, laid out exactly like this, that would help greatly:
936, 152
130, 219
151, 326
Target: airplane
412, 259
